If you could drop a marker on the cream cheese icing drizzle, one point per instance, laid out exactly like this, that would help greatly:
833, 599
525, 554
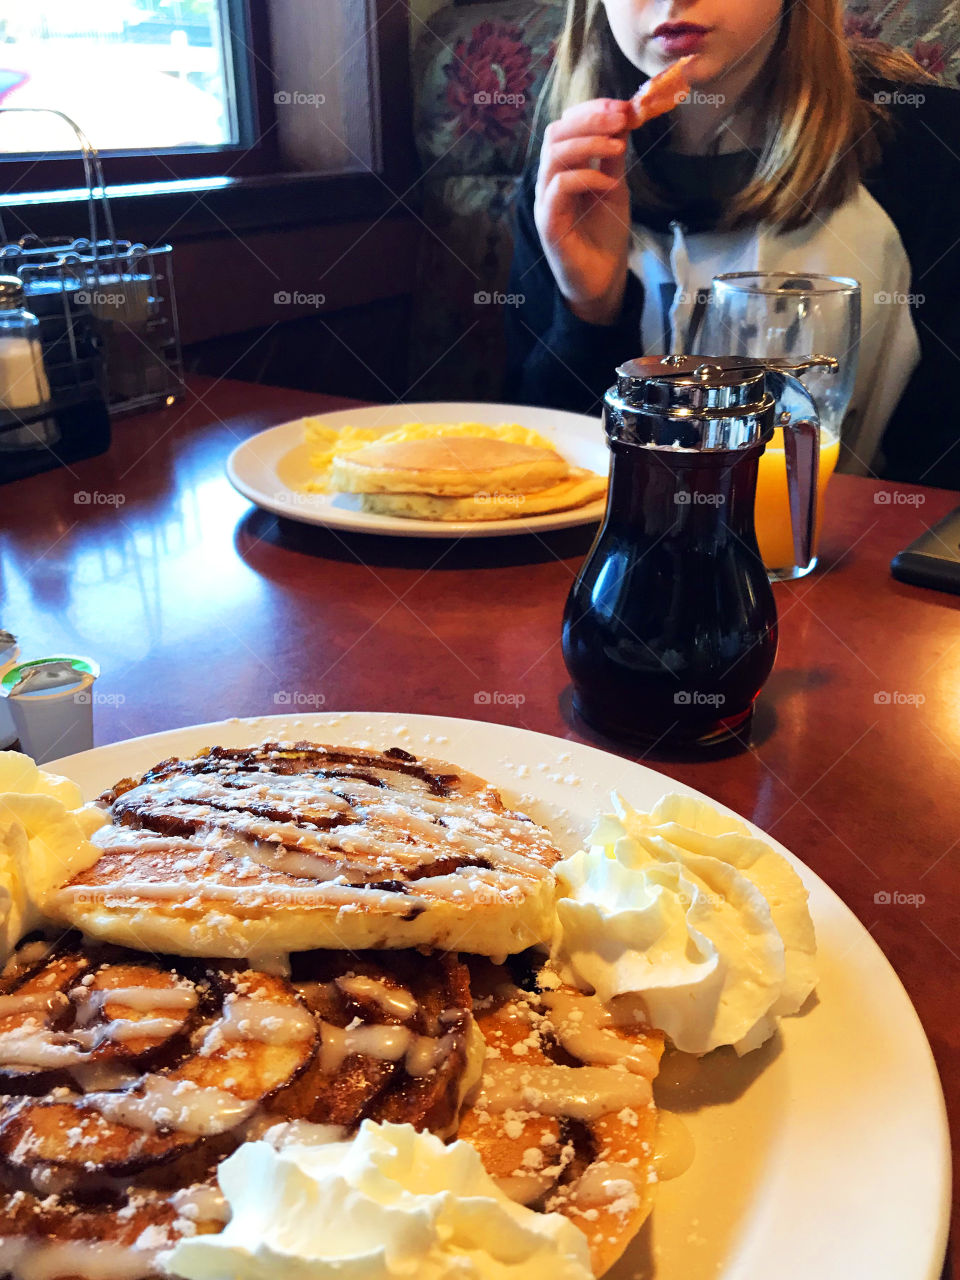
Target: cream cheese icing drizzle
421, 1054
140, 999
159, 1102
34, 1043
32, 1002
581, 1093
392, 1000
585, 1027
92, 1259
44, 1257
266, 1021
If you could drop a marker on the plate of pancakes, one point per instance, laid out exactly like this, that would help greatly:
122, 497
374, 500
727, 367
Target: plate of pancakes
442, 470
335, 918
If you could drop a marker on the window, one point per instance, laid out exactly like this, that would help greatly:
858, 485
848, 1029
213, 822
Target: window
135, 75
174, 91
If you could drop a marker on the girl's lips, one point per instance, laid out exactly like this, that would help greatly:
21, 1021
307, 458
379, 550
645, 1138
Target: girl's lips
679, 38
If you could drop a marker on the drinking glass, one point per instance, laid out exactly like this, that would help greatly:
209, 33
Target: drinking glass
789, 315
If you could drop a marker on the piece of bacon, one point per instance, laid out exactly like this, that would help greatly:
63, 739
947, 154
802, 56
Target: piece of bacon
661, 93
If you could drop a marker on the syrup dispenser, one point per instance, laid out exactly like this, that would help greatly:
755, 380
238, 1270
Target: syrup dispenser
670, 629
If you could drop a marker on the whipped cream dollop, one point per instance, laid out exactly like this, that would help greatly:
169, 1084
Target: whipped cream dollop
687, 912
389, 1203
44, 841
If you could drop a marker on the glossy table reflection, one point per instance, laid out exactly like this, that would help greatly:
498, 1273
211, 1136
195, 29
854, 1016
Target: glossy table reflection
199, 607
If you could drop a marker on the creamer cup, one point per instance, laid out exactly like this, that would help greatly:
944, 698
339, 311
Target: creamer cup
51, 702
9, 652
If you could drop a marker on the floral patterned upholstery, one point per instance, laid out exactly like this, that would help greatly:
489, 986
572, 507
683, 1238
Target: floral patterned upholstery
478, 71
929, 29
477, 74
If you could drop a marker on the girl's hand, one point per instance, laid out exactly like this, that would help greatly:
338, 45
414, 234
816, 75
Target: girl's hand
583, 213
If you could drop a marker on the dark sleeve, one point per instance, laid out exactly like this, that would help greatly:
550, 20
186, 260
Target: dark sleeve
555, 359
918, 184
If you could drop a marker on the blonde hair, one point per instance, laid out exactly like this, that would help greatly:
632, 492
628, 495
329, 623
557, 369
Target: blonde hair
819, 131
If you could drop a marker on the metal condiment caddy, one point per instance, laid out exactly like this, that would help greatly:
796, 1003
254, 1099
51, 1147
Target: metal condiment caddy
108, 329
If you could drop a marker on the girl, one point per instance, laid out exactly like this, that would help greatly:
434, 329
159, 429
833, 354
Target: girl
795, 151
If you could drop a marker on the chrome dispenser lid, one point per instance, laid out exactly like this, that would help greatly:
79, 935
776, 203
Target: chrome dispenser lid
667, 383
698, 402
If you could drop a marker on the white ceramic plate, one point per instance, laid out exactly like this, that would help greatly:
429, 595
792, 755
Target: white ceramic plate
271, 469
823, 1154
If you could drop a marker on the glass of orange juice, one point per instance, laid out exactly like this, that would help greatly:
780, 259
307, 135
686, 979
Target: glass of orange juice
789, 315
772, 509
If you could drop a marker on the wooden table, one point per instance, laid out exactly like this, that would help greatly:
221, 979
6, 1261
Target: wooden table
200, 607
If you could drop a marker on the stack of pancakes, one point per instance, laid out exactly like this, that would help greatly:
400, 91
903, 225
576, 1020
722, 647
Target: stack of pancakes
306, 934
463, 477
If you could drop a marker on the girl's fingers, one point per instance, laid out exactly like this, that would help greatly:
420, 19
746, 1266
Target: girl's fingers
576, 153
570, 183
615, 165
600, 115
579, 153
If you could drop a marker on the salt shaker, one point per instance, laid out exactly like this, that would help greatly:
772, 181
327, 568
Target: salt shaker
23, 380
24, 386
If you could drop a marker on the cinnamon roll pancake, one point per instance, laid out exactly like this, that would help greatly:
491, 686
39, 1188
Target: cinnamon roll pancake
242, 852
113, 1066
398, 1041
55, 1238
127, 1080
565, 1119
